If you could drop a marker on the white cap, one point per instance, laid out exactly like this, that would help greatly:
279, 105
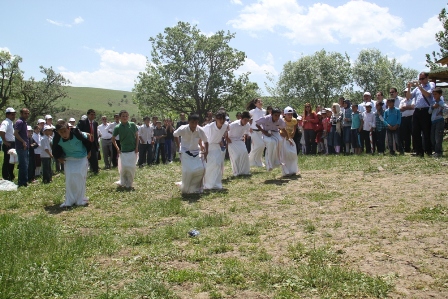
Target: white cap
367, 93
59, 120
319, 113
47, 127
406, 89
71, 119
40, 120
299, 117
48, 116
10, 110
28, 128
84, 117
368, 104
288, 110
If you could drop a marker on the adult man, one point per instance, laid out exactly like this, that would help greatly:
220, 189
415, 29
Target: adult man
106, 141
192, 165
89, 125
110, 129
22, 146
367, 97
406, 122
7, 134
422, 99
239, 159
270, 126
145, 136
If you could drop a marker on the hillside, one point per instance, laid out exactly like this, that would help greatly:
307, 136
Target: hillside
105, 101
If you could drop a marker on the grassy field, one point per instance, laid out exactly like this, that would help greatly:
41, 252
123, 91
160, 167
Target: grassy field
350, 227
104, 100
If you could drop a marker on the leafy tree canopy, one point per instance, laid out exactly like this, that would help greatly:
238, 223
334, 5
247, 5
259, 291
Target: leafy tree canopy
442, 40
191, 72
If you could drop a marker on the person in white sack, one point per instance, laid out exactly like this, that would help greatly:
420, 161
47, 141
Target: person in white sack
127, 152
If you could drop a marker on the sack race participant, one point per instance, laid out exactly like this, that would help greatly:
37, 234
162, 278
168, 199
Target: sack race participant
214, 168
239, 158
72, 148
256, 111
288, 153
127, 152
192, 163
270, 126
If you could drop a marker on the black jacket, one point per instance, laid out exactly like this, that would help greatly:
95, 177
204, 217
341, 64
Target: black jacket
58, 152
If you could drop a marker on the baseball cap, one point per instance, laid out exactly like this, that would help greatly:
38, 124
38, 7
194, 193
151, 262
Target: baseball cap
367, 93
40, 120
288, 110
48, 116
369, 104
10, 110
28, 128
71, 119
47, 127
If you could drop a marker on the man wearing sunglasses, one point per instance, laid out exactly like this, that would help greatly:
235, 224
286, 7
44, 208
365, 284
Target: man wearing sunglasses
422, 99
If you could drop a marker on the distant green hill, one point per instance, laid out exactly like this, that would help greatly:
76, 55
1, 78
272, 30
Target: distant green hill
103, 101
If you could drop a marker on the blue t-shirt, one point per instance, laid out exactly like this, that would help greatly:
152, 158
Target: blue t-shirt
356, 120
437, 113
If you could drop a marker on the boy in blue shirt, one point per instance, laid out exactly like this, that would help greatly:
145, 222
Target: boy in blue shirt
437, 122
392, 120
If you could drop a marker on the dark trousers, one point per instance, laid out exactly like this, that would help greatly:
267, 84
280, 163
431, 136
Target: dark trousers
46, 170
380, 141
7, 168
31, 167
115, 154
310, 141
391, 136
248, 142
406, 133
24, 157
144, 154
421, 127
159, 151
94, 159
365, 141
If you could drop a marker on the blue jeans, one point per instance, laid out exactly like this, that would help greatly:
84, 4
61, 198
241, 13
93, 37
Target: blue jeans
23, 157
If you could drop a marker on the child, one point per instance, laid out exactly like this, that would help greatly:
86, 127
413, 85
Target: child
335, 137
319, 131
128, 134
355, 129
392, 120
326, 124
32, 162
159, 143
437, 122
46, 154
73, 148
367, 127
346, 125
36, 139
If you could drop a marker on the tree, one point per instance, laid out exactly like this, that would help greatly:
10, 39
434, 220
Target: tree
191, 72
11, 77
442, 40
43, 97
318, 79
373, 71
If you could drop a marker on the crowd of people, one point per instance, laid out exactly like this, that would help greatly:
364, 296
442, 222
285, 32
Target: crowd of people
257, 138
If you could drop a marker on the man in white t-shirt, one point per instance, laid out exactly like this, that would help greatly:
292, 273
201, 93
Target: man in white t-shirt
106, 141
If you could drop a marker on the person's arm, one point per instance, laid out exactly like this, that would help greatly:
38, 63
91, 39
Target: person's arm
114, 143
361, 124
176, 141
2, 134
16, 134
205, 153
136, 141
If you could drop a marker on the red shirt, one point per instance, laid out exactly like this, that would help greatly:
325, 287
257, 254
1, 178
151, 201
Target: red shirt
311, 120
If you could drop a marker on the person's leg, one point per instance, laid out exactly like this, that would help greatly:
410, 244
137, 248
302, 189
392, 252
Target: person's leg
417, 133
426, 131
439, 137
162, 152
313, 142
141, 154
23, 157
5, 167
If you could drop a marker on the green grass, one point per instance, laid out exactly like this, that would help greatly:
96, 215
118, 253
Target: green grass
264, 236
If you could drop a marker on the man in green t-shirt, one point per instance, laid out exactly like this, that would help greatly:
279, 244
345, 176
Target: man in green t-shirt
128, 133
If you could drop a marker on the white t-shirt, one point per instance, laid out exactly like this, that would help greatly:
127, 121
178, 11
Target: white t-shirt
236, 130
190, 140
214, 135
45, 144
103, 131
256, 115
7, 126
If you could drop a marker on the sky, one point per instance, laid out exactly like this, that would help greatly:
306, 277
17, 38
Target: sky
105, 44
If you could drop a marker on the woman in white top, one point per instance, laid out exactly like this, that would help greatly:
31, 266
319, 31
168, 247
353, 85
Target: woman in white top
256, 152
239, 159
214, 167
